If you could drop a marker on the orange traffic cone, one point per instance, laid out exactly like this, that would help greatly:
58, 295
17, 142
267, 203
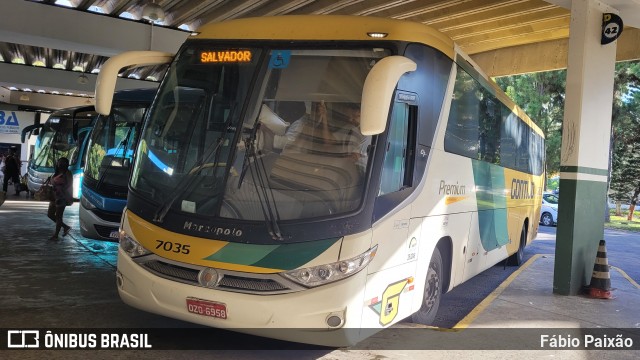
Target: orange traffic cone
600, 287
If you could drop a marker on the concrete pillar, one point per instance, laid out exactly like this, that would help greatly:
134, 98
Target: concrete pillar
585, 147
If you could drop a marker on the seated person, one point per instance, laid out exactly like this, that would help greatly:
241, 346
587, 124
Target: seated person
339, 135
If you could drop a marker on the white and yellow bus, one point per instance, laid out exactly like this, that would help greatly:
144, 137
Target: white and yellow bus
321, 173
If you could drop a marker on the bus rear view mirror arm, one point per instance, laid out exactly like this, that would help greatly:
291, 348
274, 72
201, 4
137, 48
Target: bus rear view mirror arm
378, 90
106, 82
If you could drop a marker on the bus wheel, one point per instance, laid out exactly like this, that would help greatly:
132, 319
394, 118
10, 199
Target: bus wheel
518, 258
432, 292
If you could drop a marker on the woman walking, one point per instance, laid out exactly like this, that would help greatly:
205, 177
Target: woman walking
62, 182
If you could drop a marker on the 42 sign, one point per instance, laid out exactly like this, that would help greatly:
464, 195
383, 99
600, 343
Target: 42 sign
611, 28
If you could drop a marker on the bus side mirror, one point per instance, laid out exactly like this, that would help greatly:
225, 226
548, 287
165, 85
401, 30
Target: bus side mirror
28, 131
106, 82
378, 90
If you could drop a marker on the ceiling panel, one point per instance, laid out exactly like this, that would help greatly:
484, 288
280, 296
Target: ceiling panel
478, 26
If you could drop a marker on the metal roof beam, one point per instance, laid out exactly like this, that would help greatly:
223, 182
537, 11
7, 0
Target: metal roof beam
22, 76
549, 55
61, 28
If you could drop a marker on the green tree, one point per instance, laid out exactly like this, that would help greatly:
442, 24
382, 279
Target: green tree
625, 134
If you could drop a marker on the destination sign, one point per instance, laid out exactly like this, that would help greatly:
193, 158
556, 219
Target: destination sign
225, 56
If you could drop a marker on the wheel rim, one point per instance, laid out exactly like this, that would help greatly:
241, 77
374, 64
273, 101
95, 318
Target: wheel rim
432, 292
546, 220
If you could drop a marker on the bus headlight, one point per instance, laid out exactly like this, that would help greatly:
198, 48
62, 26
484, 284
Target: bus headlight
77, 183
328, 273
130, 246
86, 203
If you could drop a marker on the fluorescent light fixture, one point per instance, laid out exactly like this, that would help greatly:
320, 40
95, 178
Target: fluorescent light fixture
127, 15
96, 9
66, 3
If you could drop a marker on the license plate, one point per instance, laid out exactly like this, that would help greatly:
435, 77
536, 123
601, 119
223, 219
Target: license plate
207, 308
114, 234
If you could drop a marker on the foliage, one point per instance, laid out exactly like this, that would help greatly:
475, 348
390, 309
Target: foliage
553, 183
625, 162
621, 223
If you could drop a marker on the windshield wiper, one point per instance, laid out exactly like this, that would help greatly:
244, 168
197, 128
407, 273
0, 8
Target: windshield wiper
250, 148
189, 178
43, 151
260, 182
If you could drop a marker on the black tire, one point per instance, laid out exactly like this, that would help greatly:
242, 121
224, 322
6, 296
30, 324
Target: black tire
546, 219
432, 291
518, 257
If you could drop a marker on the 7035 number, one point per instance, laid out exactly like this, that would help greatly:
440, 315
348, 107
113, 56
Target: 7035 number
175, 247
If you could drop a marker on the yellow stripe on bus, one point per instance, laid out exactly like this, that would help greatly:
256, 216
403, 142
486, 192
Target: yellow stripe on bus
154, 238
454, 199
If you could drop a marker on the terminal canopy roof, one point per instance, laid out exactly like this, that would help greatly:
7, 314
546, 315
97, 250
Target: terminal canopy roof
65, 42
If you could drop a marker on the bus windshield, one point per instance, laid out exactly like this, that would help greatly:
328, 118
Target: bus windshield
111, 146
258, 133
57, 139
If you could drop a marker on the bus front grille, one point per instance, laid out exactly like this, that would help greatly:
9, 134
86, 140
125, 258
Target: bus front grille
108, 216
258, 285
172, 271
234, 281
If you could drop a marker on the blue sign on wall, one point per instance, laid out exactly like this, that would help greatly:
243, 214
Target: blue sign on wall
9, 123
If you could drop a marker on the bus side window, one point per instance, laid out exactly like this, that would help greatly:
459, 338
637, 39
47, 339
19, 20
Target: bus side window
397, 168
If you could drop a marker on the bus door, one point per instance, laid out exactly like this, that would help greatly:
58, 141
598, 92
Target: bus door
475, 259
487, 237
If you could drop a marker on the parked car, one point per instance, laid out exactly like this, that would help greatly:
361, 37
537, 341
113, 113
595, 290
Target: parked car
549, 211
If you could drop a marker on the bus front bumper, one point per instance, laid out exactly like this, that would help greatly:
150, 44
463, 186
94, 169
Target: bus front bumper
35, 179
300, 316
94, 227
